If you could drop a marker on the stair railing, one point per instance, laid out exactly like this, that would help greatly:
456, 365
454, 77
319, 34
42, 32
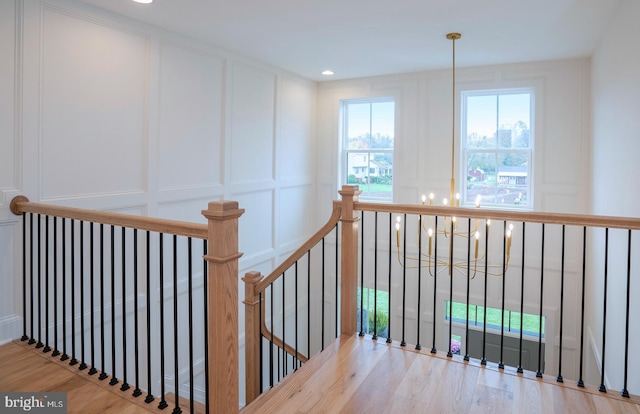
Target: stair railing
87, 273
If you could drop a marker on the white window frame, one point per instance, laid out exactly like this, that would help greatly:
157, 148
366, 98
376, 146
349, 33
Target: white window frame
530, 151
344, 151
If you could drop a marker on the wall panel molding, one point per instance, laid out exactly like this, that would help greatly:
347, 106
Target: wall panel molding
11, 120
191, 117
92, 117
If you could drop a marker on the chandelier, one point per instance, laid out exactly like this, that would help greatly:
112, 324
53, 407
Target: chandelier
450, 228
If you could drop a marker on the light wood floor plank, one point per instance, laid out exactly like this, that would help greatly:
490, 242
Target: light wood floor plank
357, 375
24, 368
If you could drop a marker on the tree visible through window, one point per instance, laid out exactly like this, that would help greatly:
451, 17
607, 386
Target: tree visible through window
497, 147
368, 139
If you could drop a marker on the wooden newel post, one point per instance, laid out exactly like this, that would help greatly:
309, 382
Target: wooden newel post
222, 258
349, 261
252, 335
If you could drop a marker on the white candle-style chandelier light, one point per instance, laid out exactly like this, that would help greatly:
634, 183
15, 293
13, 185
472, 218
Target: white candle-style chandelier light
449, 227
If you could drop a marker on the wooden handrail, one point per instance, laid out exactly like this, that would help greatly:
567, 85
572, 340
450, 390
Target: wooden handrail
255, 311
302, 250
21, 204
626, 223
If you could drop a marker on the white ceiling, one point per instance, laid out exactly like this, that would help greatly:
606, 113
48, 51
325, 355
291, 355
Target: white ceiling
357, 38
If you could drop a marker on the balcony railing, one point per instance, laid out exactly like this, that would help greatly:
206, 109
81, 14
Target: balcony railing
147, 304
105, 291
560, 270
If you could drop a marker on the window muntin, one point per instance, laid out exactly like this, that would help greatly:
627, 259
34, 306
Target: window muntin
368, 139
497, 148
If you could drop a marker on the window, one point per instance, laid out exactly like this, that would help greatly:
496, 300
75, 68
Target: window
374, 314
367, 146
532, 325
497, 148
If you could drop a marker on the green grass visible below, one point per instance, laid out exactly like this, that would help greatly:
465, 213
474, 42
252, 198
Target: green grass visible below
381, 299
530, 323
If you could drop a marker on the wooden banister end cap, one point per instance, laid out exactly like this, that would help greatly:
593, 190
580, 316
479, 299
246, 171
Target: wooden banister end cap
350, 191
252, 277
14, 206
222, 208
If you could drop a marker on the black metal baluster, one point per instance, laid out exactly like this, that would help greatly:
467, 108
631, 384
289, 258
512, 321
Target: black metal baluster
83, 364
64, 355
435, 280
418, 345
103, 374
337, 261
114, 377
55, 352
321, 305
136, 343
559, 377
539, 371
483, 361
271, 358
295, 316
24, 277
163, 404
309, 303
176, 382
205, 282
404, 281
93, 369
190, 296
284, 338
375, 278
125, 385
261, 343
580, 382
47, 347
602, 387
73, 294
520, 368
149, 398
32, 339
39, 344
389, 340
504, 279
361, 274
451, 269
625, 391
467, 357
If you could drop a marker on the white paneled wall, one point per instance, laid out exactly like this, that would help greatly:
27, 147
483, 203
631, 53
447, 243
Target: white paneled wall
102, 112
92, 107
190, 136
616, 148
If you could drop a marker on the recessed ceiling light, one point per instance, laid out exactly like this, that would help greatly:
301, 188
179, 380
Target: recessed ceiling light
327, 72
143, 1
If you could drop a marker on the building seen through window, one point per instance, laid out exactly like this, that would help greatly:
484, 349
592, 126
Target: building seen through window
497, 148
367, 146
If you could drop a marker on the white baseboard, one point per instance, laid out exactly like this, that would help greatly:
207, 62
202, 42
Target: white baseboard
10, 327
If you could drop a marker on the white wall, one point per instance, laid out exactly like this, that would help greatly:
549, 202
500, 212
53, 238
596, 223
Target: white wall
616, 149
422, 164
101, 112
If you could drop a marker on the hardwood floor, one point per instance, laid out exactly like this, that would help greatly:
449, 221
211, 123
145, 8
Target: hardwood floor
23, 368
359, 375
353, 375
